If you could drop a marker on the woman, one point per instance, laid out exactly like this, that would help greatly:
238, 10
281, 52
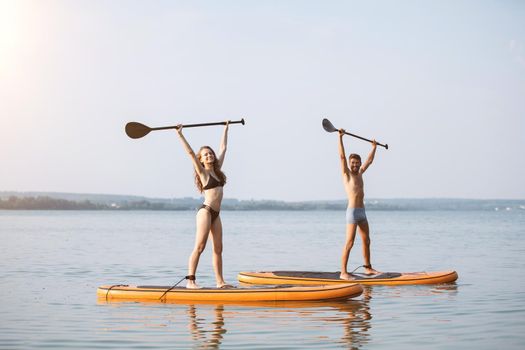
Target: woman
210, 180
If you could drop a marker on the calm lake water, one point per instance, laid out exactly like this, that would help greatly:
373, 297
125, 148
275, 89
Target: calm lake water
51, 263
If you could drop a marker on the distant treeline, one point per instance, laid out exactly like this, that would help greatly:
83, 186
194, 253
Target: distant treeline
60, 201
47, 203
50, 203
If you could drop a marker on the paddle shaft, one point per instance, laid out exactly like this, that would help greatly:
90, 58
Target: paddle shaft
198, 125
365, 139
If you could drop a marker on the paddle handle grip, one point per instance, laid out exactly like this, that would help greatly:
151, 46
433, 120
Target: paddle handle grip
365, 139
199, 125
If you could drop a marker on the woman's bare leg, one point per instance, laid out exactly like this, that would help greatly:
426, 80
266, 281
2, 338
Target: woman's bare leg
216, 237
201, 236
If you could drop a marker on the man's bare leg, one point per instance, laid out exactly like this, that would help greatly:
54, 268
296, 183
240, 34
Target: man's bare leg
349, 243
364, 231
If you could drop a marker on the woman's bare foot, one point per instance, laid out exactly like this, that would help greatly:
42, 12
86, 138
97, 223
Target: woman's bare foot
346, 276
192, 285
224, 285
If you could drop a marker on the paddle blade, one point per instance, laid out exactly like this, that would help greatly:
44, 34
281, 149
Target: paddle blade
136, 130
328, 126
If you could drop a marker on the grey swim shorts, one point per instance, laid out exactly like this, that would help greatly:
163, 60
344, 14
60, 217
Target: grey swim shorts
355, 215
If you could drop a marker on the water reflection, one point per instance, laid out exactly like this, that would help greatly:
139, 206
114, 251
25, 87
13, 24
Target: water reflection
345, 322
357, 323
448, 290
199, 332
352, 316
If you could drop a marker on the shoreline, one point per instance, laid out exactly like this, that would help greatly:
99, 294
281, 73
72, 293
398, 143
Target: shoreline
72, 201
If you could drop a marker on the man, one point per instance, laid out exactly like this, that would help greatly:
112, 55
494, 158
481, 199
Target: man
353, 172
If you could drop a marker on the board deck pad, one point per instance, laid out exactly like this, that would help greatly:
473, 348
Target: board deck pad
217, 289
335, 275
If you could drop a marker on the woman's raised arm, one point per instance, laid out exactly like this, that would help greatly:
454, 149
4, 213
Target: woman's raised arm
196, 163
224, 144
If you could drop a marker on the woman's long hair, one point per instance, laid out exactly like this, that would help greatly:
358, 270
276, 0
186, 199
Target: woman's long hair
216, 169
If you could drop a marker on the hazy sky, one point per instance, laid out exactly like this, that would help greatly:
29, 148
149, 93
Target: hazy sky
442, 82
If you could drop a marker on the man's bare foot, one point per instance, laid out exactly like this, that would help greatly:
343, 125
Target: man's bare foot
224, 285
371, 271
346, 276
192, 285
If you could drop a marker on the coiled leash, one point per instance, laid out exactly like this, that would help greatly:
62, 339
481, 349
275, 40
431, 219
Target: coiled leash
113, 286
189, 277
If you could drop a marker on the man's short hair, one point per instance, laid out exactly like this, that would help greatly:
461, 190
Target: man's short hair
354, 156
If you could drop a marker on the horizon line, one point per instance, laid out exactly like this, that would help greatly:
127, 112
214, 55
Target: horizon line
255, 199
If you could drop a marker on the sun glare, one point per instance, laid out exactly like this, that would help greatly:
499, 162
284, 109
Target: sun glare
9, 31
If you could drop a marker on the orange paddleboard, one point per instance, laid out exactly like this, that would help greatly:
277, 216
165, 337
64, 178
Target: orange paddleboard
261, 293
309, 278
